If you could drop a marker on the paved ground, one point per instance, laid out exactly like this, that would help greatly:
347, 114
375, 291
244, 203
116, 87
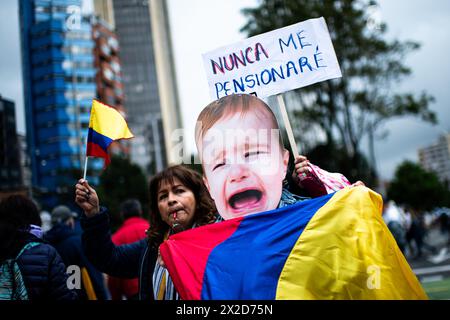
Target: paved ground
433, 270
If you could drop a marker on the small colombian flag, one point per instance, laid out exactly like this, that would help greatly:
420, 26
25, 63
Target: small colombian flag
106, 124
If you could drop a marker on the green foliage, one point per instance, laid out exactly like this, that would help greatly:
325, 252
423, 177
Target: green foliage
417, 188
122, 180
356, 105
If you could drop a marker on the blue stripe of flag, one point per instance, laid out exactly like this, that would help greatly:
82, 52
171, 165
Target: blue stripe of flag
99, 139
260, 261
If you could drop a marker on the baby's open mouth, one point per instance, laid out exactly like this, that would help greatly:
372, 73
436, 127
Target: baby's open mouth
245, 199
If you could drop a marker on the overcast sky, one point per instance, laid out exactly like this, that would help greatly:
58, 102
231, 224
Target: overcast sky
199, 26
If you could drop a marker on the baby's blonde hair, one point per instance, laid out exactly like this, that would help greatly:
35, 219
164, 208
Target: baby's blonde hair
228, 106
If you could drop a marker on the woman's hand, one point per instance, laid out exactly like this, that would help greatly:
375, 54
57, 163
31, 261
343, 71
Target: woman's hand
86, 198
307, 179
301, 168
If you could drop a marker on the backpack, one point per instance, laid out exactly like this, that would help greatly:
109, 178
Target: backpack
12, 286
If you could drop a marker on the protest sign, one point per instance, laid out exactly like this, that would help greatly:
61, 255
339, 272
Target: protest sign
274, 62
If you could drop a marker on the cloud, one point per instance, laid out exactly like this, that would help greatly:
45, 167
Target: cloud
428, 25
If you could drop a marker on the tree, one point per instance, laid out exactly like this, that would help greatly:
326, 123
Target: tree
334, 159
417, 188
119, 181
359, 103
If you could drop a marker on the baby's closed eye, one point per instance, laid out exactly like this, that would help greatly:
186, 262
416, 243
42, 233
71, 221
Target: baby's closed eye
218, 165
251, 153
254, 153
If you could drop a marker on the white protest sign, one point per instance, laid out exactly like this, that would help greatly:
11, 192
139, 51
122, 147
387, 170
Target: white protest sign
274, 62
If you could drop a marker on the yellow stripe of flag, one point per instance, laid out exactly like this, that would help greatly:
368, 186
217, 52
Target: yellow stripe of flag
347, 252
108, 121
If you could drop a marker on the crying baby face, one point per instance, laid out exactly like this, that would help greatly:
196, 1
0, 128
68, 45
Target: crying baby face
244, 164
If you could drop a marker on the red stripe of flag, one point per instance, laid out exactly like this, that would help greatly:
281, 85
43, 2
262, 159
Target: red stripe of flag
95, 150
200, 247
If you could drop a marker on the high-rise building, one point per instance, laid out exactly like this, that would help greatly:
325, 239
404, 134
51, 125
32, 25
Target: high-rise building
108, 78
436, 158
105, 11
24, 161
151, 95
107, 63
10, 169
61, 77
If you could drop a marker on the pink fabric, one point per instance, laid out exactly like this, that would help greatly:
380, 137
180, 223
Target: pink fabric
332, 181
175, 249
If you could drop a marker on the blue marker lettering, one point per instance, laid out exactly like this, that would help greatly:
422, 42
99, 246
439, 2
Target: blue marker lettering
290, 39
290, 65
275, 72
249, 79
316, 55
225, 84
303, 61
262, 76
219, 88
237, 85
302, 45
257, 79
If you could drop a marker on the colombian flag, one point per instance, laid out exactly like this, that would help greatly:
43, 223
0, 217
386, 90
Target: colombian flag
333, 247
106, 124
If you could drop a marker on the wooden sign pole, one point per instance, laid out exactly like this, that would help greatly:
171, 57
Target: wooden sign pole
287, 125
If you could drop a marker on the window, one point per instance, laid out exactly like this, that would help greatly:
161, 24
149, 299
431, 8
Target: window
79, 79
113, 43
68, 64
74, 49
74, 35
41, 9
108, 74
115, 66
80, 95
73, 142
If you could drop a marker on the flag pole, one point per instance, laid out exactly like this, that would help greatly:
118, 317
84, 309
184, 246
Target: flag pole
86, 158
85, 167
287, 125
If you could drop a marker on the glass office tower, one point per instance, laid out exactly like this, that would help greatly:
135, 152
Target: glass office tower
59, 85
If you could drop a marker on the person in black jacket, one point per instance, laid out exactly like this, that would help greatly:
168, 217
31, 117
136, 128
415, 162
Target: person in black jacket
65, 237
179, 200
43, 272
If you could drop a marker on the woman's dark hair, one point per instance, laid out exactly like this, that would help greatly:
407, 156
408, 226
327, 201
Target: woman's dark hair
205, 212
16, 214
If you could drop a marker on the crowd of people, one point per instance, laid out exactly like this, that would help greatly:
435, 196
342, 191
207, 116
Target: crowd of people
411, 229
37, 253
